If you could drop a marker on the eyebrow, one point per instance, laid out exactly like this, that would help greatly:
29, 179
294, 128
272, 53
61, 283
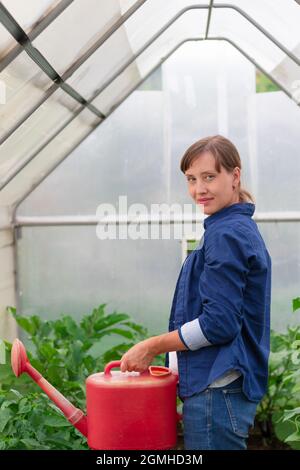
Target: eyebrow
203, 172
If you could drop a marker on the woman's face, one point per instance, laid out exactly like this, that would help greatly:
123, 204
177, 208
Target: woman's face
204, 182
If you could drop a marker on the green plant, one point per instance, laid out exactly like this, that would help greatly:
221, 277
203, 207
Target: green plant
283, 394
32, 422
264, 84
62, 351
291, 417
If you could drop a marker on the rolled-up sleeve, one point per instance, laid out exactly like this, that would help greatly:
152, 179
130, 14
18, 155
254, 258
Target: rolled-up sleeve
192, 335
222, 283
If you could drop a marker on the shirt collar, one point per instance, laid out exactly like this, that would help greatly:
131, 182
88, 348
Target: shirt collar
245, 208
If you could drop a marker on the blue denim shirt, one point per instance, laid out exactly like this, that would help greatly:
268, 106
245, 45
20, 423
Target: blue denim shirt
221, 305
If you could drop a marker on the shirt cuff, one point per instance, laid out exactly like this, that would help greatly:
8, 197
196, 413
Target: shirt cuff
192, 335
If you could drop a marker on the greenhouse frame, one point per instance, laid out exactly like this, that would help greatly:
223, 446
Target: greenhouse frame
99, 102
55, 93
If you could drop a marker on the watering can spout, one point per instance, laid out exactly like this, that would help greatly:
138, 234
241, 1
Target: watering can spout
20, 364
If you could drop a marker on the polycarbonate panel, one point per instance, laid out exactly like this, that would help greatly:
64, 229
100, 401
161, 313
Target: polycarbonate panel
287, 73
118, 89
123, 156
101, 65
137, 150
281, 18
154, 15
283, 243
36, 130
86, 80
8, 327
129, 276
126, 4
231, 25
209, 86
191, 24
25, 85
30, 12
79, 26
171, 120
7, 42
116, 272
55, 151
275, 155
267, 135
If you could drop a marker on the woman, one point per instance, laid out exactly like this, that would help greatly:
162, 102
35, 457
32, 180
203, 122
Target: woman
220, 317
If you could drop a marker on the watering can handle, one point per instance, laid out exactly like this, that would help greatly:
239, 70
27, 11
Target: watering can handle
111, 365
114, 364
155, 371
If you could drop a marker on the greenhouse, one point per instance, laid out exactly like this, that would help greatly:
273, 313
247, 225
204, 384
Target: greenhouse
99, 101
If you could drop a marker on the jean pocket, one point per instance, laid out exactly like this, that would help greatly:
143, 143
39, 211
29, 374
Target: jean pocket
241, 411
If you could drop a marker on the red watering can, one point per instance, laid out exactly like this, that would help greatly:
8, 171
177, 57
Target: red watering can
124, 410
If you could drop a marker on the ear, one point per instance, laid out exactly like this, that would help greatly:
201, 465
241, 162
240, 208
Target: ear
236, 175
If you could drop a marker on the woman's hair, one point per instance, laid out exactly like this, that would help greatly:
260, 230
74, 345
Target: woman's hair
225, 155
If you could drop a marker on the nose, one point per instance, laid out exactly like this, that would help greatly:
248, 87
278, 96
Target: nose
200, 189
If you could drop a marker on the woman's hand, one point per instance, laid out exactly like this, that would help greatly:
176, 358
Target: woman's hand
139, 357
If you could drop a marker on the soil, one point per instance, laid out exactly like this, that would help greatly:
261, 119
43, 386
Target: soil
257, 442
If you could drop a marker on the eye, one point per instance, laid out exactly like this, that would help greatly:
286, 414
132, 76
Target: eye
191, 178
209, 176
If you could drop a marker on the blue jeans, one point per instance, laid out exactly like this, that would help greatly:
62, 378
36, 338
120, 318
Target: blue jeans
218, 418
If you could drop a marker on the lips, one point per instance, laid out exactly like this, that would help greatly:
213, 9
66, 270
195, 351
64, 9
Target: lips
205, 200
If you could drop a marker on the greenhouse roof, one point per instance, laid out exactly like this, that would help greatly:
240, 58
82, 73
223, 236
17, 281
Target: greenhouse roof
66, 65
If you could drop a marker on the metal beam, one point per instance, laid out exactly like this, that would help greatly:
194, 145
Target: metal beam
24, 118
161, 31
21, 36
144, 47
148, 44
124, 219
48, 172
121, 219
256, 64
38, 29
272, 38
11, 175
161, 61
208, 18
103, 38
25, 162
220, 38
